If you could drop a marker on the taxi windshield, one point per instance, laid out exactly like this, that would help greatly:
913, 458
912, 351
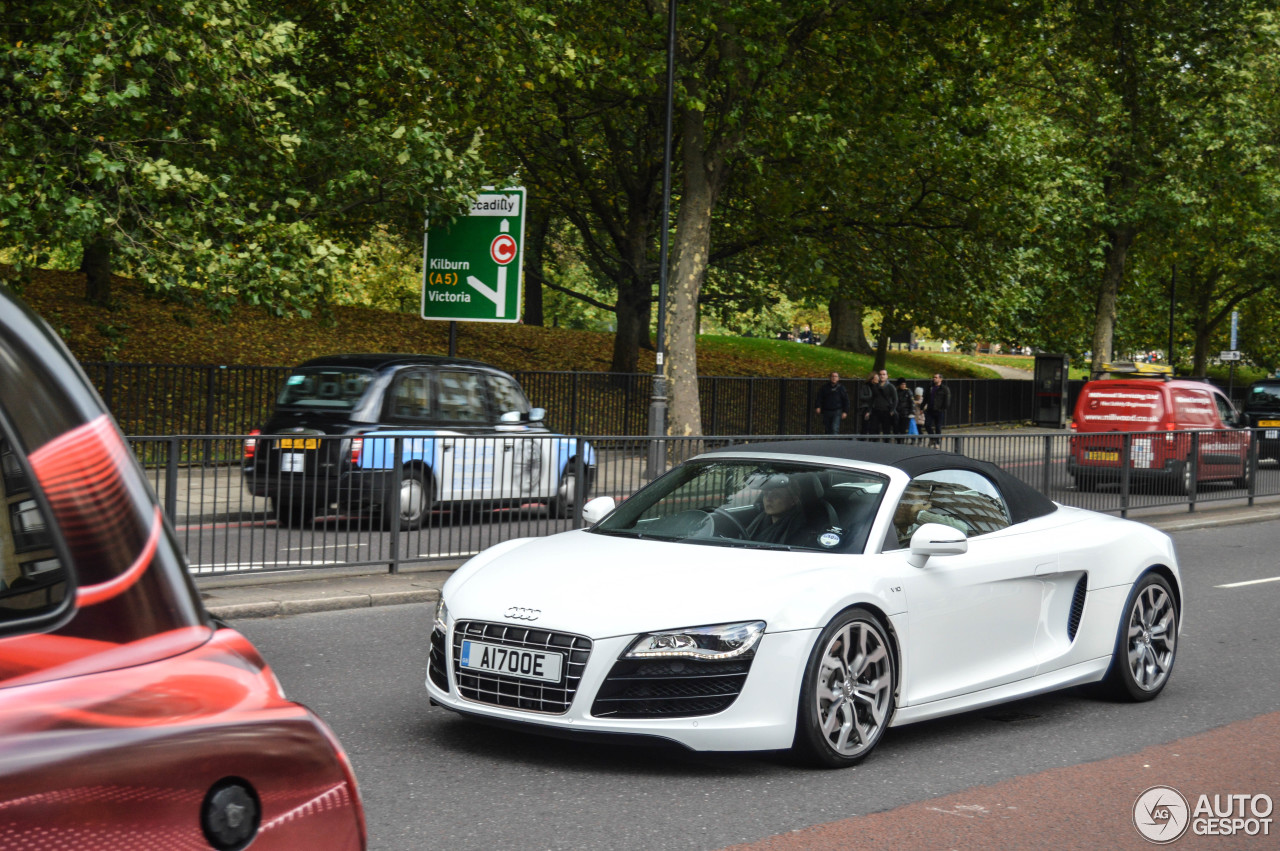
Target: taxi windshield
754, 503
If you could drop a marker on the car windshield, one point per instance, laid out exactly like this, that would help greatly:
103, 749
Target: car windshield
1264, 397
754, 503
325, 387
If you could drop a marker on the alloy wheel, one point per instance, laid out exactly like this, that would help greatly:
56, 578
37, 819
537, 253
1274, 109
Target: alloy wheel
854, 689
1151, 638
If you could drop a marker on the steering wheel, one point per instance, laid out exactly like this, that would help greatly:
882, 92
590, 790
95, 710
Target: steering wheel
720, 512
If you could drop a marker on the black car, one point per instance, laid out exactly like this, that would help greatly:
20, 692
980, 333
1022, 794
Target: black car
1262, 411
400, 433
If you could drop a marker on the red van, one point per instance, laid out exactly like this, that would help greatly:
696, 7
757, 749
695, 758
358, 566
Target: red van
1166, 417
128, 717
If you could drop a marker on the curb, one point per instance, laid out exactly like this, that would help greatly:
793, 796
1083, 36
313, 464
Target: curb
279, 608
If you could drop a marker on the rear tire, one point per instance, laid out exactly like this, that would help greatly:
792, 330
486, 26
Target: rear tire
416, 501
1086, 483
847, 695
293, 513
1146, 642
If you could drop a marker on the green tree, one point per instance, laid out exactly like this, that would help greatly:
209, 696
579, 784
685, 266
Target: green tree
214, 145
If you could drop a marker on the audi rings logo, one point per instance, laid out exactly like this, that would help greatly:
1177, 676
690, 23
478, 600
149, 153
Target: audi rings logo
518, 614
1161, 814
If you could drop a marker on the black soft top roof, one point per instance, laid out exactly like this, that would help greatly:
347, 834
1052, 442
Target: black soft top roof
1025, 502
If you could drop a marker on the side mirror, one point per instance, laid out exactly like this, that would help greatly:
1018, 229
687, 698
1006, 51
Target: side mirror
936, 539
537, 415
595, 510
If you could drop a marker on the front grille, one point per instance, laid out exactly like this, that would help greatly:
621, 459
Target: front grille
514, 692
435, 662
1077, 607
670, 688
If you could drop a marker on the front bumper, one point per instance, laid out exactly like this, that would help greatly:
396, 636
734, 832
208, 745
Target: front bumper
762, 718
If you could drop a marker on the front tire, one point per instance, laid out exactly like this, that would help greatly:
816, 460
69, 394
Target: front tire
567, 494
1146, 642
846, 698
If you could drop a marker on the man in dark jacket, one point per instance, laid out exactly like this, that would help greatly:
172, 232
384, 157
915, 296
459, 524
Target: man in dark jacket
884, 405
833, 404
937, 399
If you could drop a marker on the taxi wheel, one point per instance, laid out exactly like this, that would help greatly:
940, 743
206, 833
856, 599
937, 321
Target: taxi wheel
846, 698
291, 513
415, 502
567, 494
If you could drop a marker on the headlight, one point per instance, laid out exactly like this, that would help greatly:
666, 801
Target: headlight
442, 616
722, 641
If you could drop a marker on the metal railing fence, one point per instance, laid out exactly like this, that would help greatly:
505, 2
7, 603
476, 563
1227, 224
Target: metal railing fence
165, 399
227, 529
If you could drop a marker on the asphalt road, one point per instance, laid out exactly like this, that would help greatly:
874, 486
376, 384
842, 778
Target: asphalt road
432, 780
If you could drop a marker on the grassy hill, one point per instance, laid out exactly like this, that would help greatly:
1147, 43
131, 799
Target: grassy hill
141, 328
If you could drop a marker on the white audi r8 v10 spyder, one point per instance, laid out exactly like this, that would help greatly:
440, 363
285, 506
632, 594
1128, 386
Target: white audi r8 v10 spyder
805, 595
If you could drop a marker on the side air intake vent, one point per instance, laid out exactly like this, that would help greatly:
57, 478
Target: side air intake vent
1077, 607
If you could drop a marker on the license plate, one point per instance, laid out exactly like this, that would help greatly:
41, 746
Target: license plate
1268, 423
1102, 456
293, 462
1273, 433
299, 443
513, 661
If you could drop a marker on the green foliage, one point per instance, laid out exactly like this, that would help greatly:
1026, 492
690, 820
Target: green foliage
211, 145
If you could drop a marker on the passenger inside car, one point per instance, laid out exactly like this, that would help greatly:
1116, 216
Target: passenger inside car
916, 509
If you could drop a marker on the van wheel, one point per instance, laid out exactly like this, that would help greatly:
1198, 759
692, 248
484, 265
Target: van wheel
1182, 478
1084, 483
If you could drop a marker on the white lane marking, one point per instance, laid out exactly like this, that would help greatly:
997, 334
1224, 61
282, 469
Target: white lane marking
327, 547
1250, 582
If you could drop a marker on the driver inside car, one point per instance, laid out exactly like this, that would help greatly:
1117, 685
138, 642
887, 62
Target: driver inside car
788, 510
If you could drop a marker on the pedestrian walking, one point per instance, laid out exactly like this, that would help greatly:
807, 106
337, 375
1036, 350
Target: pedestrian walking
832, 404
862, 420
884, 404
937, 399
904, 409
917, 412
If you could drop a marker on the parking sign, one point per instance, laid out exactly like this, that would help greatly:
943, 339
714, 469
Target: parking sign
471, 267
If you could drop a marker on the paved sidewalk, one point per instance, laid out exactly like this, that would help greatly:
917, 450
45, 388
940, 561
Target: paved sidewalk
327, 589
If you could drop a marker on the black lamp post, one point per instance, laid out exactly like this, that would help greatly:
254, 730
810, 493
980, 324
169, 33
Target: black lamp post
658, 401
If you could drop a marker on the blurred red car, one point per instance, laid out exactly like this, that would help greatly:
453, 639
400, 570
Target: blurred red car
129, 719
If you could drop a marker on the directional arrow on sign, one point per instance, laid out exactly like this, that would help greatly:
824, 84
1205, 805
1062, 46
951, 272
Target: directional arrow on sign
503, 251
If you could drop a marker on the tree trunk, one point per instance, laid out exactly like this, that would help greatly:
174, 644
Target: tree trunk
534, 245
882, 349
96, 265
692, 253
633, 326
846, 326
635, 291
1119, 240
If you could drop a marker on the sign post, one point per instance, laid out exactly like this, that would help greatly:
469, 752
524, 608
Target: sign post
471, 267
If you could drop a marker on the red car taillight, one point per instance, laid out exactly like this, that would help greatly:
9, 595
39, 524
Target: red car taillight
251, 445
357, 444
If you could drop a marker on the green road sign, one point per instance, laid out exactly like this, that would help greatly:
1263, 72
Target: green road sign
471, 268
